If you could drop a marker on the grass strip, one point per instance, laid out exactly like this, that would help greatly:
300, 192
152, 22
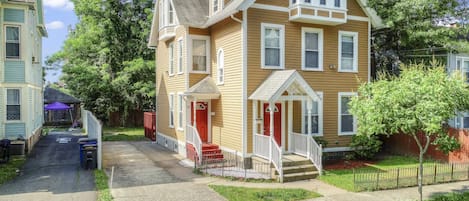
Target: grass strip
233, 193
451, 197
101, 180
8, 171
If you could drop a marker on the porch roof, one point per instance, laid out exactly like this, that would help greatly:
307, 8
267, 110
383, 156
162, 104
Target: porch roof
280, 81
205, 89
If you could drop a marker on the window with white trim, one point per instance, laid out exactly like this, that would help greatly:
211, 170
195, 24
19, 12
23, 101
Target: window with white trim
171, 110
13, 104
347, 122
337, 3
170, 13
272, 46
180, 113
180, 46
200, 54
171, 58
215, 5
462, 64
220, 67
322, 2
348, 51
316, 116
166, 14
12, 42
312, 49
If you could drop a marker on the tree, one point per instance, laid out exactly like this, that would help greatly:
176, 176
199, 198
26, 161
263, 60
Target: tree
419, 101
418, 29
100, 56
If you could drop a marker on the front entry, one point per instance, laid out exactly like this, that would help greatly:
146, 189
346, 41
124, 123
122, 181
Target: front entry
277, 122
201, 119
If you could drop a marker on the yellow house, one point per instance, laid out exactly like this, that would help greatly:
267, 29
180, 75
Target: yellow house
226, 68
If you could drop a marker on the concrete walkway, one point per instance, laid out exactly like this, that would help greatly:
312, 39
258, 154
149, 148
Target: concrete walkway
52, 172
146, 171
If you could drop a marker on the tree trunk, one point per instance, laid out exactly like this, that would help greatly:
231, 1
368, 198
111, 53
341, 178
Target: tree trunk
422, 152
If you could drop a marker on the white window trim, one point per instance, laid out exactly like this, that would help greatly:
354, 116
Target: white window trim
19, 41
282, 45
6, 104
320, 33
219, 8
180, 47
339, 113
171, 58
320, 113
181, 106
171, 110
189, 53
219, 66
355, 51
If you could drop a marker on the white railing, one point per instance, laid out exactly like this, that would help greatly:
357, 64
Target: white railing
261, 145
299, 144
193, 137
276, 153
315, 154
330, 4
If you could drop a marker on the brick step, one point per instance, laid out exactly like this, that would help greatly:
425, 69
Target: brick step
300, 176
212, 156
298, 169
211, 151
209, 146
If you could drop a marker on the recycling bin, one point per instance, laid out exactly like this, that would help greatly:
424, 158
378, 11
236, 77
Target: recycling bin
85, 141
90, 157
4, 150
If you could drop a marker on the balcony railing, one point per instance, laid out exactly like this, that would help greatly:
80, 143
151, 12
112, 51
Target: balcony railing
327, 12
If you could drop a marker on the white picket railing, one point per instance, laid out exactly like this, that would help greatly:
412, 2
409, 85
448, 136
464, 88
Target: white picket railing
315, 154
277, 158
261, 145
299, 144
193, 137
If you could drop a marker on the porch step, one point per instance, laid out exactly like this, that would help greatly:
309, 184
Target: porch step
300, 176
211, 153
298, 169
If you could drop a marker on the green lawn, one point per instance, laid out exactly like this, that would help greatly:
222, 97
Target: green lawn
451, 197
8, 170
101, 180
344, 178
232, 193
123, 134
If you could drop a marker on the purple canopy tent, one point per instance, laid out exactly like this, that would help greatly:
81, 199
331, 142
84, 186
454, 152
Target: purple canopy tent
55, 106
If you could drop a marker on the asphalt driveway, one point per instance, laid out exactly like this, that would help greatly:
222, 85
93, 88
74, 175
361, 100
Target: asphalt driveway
145, 171
52, 173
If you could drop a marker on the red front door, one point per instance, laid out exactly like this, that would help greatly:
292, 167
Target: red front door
201, 119
277, 122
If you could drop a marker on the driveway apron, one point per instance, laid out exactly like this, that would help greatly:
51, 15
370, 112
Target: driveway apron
145, 171
52, 172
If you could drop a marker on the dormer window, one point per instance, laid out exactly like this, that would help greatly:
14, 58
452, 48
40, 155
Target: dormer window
216, 6
167, 14
171, 13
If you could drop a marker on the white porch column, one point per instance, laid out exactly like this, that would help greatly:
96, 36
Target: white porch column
309, 106
255, 109
194, 112
271, 108
290, 124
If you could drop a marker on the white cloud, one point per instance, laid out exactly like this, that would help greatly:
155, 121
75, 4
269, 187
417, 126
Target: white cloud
62, 4
55, 25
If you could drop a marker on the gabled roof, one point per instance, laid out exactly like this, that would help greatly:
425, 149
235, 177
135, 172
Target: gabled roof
53, 95
280, 81
205, 89
375, 20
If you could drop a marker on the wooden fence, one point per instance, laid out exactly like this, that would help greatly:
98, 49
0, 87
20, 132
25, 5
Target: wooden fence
377, 179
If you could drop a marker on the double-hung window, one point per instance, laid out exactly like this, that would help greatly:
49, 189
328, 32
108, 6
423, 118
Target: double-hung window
312, 49
348, 51
316, 116
220, 67
337, 3
171, 58
13, 104
170, 13
171, 110
200, 54
322, 2
462, 64
180, 113
272, 46
347, 122
12, 46
179, 60
215, 5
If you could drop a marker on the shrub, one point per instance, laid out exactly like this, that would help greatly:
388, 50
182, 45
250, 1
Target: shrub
366, 146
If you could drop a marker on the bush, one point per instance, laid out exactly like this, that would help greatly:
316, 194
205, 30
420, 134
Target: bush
366, 146
452, 197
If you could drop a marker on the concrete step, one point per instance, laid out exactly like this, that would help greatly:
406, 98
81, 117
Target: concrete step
300, 176
298, 169
296, 163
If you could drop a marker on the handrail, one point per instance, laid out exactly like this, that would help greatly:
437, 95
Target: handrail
315, 154
277, 158
193, 137
299, 143
261, 145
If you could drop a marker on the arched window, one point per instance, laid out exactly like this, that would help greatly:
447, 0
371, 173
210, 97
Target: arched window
220, 66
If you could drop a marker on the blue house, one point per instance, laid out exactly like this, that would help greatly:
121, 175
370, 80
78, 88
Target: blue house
21, 80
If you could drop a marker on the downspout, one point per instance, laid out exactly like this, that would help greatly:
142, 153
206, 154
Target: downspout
236, 19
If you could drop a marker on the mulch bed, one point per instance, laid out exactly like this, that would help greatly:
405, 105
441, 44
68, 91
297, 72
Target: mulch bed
346, 164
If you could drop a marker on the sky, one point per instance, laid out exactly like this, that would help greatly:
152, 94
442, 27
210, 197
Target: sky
58, 15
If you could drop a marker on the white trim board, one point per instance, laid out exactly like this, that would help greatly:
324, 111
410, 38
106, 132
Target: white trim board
337, 149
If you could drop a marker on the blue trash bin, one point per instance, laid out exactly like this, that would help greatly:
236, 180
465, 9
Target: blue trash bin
84, 141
